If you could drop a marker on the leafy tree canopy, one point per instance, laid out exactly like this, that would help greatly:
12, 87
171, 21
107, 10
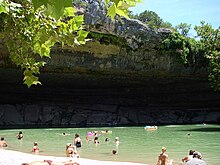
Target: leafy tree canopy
197, 53
210, 39
151, 19
183, 28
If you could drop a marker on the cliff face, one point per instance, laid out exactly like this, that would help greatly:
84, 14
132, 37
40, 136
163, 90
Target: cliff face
122, 78
73, 100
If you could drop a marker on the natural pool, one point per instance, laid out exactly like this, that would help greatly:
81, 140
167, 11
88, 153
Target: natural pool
136, 144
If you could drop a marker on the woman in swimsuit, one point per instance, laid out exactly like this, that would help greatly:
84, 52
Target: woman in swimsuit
163, 158
35, 148
77, 141
71, 151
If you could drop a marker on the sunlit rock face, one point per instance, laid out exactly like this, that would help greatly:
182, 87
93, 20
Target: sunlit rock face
135, 33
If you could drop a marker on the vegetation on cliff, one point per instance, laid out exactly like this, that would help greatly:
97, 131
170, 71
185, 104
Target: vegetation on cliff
152, 19
202, 50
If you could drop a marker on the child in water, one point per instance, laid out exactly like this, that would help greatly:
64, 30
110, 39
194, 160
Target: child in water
20, 135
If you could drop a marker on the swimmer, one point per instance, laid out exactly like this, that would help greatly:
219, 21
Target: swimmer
96, 140
3, 142
106, 139
65, 134
114, 152
117, 141
35, 148
19, 135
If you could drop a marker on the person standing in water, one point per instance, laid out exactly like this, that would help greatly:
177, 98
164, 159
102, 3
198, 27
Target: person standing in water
77, 141
20, 135
187, 158
35, 148
163, 158
3, 142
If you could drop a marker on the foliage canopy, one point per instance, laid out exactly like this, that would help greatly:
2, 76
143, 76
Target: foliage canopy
151, 19
201, 52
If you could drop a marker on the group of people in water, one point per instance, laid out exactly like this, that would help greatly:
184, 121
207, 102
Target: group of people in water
3, 143
193, 157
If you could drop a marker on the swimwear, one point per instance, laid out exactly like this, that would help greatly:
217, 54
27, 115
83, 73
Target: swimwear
78, 144
35, 148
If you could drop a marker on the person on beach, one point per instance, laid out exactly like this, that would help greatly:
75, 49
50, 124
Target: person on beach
3, 142
20, 135
35, 148
77, 141
187, 158
163, 158
196, 160
71, 151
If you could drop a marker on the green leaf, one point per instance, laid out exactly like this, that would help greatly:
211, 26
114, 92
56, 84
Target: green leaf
31, 80
45, 2
37, 4
83, 33
36, 48
3, 10
55, 12
27, 73
112, 11
106, 1
41, 49
121, 13
50, 42
55, 8
79, 20
67, 3
69, 11
45, 51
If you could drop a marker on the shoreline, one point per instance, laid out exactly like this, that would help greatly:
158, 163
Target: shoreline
10, 157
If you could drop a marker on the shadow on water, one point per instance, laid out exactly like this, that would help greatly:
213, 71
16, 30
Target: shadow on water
203, 129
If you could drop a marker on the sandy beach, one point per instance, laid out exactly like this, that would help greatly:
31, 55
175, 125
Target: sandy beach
8, 157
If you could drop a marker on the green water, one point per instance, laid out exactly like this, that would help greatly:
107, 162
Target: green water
136, 144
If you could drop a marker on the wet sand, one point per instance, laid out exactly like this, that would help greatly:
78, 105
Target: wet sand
9, 157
